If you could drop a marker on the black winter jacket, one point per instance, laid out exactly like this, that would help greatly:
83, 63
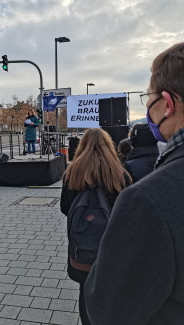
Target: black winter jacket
73, 144
138, 277
141, 161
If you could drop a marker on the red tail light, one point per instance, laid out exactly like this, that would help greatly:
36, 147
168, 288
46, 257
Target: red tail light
38, 140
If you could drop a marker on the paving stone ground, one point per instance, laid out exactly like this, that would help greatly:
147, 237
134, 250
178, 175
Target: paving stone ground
34, 286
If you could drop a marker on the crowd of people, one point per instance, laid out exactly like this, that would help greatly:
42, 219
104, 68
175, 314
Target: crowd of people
132, 271
138, 275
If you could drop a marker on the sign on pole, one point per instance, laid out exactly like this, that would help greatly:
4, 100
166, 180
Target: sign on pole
58, 93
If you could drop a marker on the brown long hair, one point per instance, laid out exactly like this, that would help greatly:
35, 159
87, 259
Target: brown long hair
32, 111
95, 163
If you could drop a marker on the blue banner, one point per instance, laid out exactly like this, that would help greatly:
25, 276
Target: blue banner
50, 102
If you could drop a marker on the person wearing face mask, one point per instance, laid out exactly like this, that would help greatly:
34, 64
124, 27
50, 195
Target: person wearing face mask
73, 144
138, 277
142, 158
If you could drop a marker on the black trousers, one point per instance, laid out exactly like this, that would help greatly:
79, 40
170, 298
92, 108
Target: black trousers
80, 277
82, 307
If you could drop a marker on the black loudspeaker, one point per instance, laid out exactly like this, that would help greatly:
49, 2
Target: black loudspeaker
117, 133
112, 111
3, 158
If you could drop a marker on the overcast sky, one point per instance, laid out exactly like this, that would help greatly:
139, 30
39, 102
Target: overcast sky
112, 44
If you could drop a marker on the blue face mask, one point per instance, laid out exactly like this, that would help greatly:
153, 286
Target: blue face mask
154, 128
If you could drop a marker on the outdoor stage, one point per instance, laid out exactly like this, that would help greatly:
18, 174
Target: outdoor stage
21, 171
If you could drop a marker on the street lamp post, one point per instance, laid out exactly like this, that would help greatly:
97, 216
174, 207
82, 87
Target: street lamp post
60, 40
17, 109
90, 84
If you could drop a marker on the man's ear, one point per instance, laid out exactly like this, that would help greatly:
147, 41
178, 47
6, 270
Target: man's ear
169, 103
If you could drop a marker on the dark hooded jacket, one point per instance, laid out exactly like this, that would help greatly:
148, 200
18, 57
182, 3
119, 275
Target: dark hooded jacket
141, 161
142, 158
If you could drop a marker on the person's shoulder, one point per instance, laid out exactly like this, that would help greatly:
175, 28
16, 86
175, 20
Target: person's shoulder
147, 184
150, 186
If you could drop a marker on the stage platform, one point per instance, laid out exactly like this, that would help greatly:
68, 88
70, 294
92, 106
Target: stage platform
22, 171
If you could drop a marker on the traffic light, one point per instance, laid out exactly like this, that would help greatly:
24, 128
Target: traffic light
5, 63
40, 115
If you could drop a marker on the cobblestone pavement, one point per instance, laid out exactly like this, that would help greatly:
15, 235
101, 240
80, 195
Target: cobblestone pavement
34, 286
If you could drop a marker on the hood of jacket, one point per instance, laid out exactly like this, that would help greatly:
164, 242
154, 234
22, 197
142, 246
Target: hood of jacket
139, 152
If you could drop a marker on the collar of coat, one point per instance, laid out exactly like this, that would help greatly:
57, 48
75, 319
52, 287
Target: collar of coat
176, 141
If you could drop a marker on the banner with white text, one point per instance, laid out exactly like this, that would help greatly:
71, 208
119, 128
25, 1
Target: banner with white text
83, 110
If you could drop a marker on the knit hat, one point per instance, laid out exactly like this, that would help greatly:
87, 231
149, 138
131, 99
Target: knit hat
141, 136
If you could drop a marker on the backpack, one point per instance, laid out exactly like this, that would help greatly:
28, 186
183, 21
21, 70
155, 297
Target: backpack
87, 220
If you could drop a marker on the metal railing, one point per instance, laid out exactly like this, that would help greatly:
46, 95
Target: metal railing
14, 143
49, 143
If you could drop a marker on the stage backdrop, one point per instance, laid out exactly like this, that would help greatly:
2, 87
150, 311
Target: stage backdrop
83, 110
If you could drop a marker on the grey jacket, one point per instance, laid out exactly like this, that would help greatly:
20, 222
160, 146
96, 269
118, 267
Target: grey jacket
138, 278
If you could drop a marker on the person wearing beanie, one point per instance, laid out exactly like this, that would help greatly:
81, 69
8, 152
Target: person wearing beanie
142, 158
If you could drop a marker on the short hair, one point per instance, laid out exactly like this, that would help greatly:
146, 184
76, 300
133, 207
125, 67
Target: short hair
167, 70
124, 147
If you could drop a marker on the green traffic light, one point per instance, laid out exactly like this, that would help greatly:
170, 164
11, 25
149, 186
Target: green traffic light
5, 67
5, 63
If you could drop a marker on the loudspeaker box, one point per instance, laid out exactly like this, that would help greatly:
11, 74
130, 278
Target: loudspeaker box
112, 111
